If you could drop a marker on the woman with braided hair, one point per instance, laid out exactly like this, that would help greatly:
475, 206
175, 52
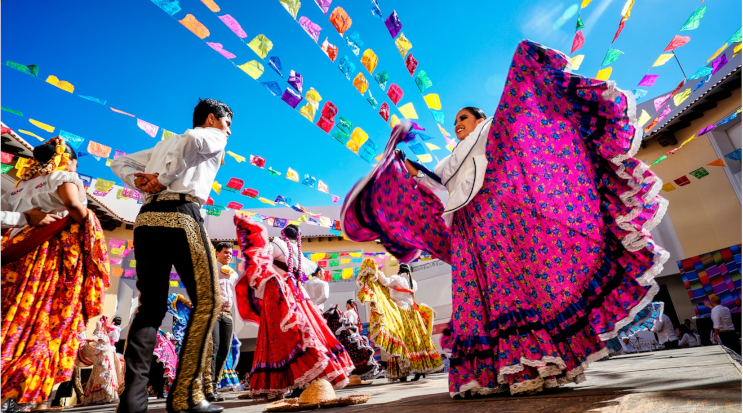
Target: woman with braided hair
294, 346
347, 328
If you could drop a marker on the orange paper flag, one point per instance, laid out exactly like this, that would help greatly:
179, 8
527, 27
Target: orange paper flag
122, 112
717, 162
195, 26
211, 5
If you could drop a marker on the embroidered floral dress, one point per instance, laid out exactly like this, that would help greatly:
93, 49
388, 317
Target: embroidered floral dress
108, 370
49, 294
550, 247
357, 346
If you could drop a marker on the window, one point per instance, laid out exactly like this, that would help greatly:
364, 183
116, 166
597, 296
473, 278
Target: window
725, 139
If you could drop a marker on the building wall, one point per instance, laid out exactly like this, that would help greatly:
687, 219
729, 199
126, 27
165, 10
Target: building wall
706, 213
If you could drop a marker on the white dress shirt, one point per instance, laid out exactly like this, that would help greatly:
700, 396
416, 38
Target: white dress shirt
280, 251
227, 284
463, 172
39, 192
352, 316
187, 163
404, 300
318, 290
664, 328
689, 340
627, 348
721, 319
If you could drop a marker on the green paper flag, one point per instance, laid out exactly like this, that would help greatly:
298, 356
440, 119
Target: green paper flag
422, 80
693, 21
579, 25
735, 37
611, 56
661, 159
212, 210
15, 112
334, 255
273, 172
6, 168
334, 263
337, 277
699, 173
32, 70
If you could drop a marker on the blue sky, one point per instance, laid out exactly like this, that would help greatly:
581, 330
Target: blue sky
142, 61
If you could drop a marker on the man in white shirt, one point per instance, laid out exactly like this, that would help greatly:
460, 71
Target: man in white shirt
222, 332
627, 348
666, 333
317, 288
724, 330
34, 217
175, 177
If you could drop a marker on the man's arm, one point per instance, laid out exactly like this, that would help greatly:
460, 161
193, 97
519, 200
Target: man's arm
126, 166
194, 142
13, 219
716, 322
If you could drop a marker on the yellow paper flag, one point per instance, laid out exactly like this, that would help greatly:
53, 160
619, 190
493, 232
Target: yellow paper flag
688, 140
576, 61
173, 283
360, 83
369, 60
252, 68
211, 5
408, 111
108, 162
681, 97
359, 136
266, 201
403, 45
217, 187
432, 146
717, 53
662, 59
31, 134
736, 50
167, 135
261, 45
41, 125
308, 111
394, 120
238, 158
450, 148
585, 3
668, 187
62, 84
604, 74
195, 26
443, 131
292, 175
425, 158
644, 118
433, 101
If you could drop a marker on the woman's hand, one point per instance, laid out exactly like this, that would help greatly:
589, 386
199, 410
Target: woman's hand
69, 194
409, 166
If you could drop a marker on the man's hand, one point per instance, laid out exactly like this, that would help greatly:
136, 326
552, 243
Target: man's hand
148, 183
38, 218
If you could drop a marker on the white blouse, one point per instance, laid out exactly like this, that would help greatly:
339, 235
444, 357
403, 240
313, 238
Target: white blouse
463, 172
404, 300
352, 316
42, 192
318, 290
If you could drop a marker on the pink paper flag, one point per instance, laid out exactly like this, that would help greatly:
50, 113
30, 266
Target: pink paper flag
677, 42
659, 102
149, 128
335, 198
218, 47
118, 153
665, 113
233, 25
115, 261
648, 80
129, 273
577, 41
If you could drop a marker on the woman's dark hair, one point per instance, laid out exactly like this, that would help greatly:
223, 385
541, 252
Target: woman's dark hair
684, 330
352, 303
291, 231
405, 268
116, 321
44, 152
207, 106
223, 245
476, 112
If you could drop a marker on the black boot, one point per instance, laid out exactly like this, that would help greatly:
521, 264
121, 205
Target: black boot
403, 379
417, 377
203, 407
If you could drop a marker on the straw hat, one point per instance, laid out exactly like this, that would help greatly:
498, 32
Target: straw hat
319, 394
356, 381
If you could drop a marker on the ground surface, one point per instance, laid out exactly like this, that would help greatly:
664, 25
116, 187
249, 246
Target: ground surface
704, 379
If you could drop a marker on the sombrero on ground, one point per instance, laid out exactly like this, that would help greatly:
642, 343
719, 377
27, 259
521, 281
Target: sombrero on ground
320, 394
355, 380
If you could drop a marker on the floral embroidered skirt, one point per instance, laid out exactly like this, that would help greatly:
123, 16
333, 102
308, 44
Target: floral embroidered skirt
47, 298
107, 375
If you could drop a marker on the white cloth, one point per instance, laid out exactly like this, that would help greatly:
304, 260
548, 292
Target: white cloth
115, 334
280, 251
463, 172
627, 348
664, 328
404, 300
42, 192
352, 316
227, 284
13, 219
187, 163
721, 319
689, 340
712, 336
318, 290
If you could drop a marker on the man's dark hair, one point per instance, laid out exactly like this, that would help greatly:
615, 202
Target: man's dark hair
207, 106
223, 245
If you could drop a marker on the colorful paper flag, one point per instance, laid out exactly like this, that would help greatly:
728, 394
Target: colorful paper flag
717, 162
701, 72
148, 128
195, 26
668, 187
311, 28
718, 63
169, 6
122, 112
62, 84
237, 157
648, 80
576, 61
683, 181
734, 155
681, 97
699, 173
230, 22
578, 41
604, 74
267, 201
253, 68
639, 94
611, 56
403, 45
32, 70
217, 187
97, 149
41, 125
31, 134
677, 42
335, 198
644, 118
322, 187
693, 21
408, 110
220, 49
261, 45
662, 59
292, 175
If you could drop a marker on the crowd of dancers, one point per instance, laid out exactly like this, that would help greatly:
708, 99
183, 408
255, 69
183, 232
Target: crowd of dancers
546, 228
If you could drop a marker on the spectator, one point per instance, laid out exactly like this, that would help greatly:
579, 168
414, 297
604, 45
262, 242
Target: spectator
627, 347
690, 326
687, 337
666, 333
724, 330
445, 360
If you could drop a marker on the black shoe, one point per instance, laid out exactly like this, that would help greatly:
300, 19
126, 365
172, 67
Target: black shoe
403, 379
296, 393
417, 377
203, 407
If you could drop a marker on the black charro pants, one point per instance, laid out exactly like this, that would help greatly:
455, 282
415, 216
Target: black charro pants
169, 232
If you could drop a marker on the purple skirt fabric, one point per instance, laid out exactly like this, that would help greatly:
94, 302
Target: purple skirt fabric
554, 254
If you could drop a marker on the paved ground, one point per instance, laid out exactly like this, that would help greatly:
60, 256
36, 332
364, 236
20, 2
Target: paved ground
705, 379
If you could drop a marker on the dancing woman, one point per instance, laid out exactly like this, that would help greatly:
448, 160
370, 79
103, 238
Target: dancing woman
294, 345
53, 277
347, 329
398, 325
108, 370
546, 226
